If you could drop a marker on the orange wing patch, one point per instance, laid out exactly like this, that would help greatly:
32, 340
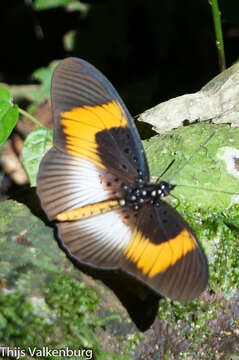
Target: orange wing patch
81, 124
154, 259
88, 211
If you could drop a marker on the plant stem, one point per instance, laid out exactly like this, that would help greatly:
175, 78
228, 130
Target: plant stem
219, 38
29, 116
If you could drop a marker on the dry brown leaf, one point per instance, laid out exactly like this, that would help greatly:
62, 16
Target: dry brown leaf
217, 101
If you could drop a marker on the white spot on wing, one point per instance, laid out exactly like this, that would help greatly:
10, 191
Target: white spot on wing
99, 240
66, 183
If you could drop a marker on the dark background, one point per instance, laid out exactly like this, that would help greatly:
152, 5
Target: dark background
150, 50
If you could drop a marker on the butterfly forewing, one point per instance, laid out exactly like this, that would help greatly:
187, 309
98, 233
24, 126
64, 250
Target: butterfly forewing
91, 121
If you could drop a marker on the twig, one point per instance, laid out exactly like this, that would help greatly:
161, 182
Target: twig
22, 91
29, 116
219, 38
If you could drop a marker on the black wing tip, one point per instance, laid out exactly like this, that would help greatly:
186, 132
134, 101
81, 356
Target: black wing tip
74, 64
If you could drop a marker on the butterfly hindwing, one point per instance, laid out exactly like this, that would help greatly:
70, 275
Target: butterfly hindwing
72, 183
165, 254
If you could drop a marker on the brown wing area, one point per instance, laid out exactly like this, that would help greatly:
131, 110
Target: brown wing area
165, 254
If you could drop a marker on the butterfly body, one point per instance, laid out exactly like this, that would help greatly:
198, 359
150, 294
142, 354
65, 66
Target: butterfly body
95, 184
145, 193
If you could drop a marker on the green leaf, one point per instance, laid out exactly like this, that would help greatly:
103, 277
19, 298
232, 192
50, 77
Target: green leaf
37, 143
44, 76
48, 4
69, 40
76, 5
8, 114
212, 170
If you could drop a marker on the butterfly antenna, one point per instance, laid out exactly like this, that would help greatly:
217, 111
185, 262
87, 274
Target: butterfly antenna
207, 189
190, 158
164, 171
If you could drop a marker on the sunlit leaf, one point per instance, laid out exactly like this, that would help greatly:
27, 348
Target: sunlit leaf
8, 114
48, 4
35, 146
76, 5
69, 40
44, 75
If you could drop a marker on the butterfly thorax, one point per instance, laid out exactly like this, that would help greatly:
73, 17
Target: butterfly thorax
135, 195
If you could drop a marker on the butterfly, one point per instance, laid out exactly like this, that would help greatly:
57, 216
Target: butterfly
95, 184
